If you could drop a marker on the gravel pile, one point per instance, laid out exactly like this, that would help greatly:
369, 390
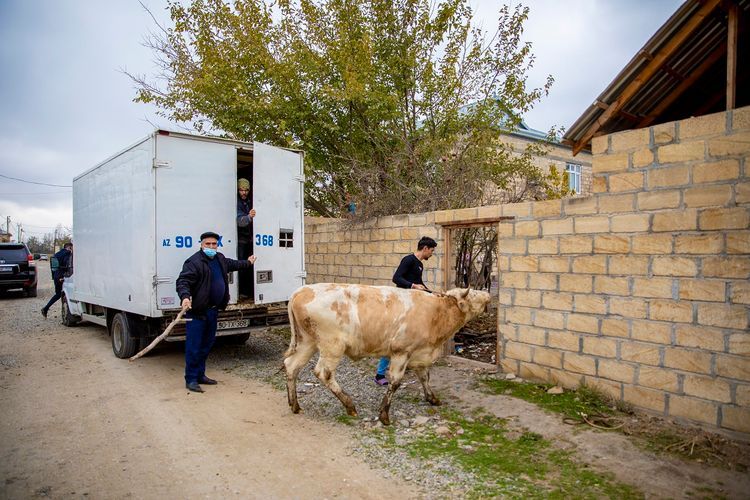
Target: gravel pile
261, 359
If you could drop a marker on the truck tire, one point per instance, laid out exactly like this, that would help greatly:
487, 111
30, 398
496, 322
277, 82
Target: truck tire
31, 291
68, 318
124, 345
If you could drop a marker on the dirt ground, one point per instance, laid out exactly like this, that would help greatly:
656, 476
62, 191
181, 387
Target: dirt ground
478, 340
78, 422
658, 476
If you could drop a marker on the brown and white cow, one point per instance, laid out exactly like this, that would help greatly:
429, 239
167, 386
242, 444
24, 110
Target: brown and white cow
409, 326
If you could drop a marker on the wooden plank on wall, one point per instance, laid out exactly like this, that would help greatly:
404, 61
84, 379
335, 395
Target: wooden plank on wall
732, 30
450, 346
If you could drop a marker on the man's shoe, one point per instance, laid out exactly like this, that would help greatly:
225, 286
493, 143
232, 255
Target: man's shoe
193, 386
381, 380
207, 381
44, 313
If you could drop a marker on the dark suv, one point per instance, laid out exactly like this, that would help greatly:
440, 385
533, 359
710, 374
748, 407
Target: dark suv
17, 268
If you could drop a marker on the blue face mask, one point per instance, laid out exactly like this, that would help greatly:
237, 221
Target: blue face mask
210, 252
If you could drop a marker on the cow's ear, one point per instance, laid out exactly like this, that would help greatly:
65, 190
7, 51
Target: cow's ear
463, 305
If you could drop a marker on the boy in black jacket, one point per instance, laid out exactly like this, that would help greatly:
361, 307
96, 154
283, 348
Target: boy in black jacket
408, 275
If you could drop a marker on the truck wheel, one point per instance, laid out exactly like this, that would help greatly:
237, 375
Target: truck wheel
31, 292
68, 318
124, 345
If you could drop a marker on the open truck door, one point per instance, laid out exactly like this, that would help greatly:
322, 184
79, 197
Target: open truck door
278, 243
196, 192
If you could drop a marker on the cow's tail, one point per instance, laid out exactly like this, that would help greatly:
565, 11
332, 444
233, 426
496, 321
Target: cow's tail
293, 327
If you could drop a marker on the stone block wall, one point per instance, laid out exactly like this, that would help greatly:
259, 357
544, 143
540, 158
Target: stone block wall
341, 252
641, 290
558, 155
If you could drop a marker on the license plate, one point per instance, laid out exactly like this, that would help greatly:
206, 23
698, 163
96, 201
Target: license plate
229, 325
6, 270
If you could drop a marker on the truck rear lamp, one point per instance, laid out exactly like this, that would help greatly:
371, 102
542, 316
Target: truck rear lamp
30, 258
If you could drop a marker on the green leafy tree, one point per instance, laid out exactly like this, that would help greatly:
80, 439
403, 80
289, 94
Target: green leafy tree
557, 184
35, 245
399, 103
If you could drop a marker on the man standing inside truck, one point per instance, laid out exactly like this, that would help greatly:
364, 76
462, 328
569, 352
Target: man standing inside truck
204, 289
245, 214
61, 263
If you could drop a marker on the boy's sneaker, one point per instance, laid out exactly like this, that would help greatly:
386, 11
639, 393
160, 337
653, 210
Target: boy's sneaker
381, 380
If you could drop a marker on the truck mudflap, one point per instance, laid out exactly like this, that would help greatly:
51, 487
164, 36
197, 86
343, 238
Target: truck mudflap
235, 320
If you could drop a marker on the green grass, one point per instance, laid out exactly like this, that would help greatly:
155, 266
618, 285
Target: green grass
588, 401
346, 420
572, 404
516, 465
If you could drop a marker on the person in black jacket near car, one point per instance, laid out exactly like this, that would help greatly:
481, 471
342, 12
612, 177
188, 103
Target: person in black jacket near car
204, 289
64, 259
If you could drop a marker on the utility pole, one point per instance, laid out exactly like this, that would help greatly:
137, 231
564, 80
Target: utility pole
7, 225
18, 232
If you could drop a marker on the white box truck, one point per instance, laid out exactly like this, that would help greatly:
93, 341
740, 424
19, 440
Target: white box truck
139, 214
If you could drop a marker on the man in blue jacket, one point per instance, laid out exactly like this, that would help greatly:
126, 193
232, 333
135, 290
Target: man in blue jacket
64, 260
204, 289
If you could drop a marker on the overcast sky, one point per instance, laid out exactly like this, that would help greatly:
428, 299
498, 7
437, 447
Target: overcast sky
66, 105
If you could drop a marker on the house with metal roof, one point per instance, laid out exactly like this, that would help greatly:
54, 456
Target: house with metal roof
696, 64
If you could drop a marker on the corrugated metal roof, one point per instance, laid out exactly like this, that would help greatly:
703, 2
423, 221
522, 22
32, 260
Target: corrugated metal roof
666, 87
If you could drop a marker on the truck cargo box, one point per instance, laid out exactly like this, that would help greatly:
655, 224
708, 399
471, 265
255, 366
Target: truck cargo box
138, 215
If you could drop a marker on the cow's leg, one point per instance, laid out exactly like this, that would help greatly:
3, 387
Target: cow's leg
395, 374
423, 372
293, 364
325, 370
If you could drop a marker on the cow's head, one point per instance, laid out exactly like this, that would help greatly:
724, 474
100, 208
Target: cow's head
470, 302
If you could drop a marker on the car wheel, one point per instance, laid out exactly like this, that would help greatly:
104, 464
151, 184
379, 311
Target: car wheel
124, 345
31, 292
68, 318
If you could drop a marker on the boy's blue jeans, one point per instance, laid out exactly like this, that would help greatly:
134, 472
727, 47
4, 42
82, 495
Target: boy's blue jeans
383, 365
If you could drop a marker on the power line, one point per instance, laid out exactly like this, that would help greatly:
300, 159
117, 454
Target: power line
39, 192
45, 227
32, 182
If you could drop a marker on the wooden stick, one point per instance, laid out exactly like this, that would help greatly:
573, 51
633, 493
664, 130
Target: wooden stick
160, 337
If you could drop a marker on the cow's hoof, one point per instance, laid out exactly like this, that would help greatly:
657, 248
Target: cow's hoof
385, 420
434, 402
296, 409
352, 412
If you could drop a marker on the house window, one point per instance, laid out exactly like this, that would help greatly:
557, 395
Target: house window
574, 177
286, 238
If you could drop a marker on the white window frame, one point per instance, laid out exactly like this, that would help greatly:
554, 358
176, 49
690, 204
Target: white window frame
574, 176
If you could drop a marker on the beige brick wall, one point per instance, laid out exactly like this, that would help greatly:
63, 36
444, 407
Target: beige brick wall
646, 296
558, 155
640, 290
342, 252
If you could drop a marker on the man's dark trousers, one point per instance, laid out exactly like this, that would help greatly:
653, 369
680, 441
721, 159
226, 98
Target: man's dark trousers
245, 276
201, 333
56, 296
